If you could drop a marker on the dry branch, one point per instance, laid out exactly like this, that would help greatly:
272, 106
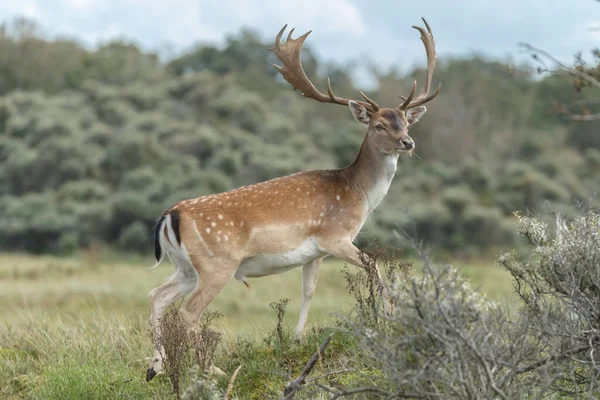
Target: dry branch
294, 386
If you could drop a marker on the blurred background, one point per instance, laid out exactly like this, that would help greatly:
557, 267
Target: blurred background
112, 111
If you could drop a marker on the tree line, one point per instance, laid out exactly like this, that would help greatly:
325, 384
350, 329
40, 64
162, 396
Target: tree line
95, 144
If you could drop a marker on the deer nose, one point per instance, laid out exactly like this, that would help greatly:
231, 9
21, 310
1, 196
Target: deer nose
408, 143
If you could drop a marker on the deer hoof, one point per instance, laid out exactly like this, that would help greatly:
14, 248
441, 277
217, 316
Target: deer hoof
150, 373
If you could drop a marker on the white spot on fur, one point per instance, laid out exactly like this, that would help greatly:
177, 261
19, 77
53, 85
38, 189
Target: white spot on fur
207, 230
226, 238
337, 197
213, 224
220, 216
201, 240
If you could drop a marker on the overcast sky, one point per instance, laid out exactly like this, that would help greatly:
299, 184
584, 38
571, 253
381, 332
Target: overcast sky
343, 30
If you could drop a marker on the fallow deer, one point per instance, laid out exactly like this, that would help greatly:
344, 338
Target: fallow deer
270, 227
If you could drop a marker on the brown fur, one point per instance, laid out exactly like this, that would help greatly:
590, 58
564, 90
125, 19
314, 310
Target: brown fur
275, 225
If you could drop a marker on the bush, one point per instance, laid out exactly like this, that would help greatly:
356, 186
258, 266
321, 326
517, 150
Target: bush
134, 238
443, 339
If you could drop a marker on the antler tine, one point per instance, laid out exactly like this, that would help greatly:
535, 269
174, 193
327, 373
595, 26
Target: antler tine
292, 31
409, 98
429, 43
427, 25
329, 90
426, 99
277, 43
370, 101
289, 53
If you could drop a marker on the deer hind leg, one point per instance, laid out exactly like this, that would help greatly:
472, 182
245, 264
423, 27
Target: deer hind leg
213, 275
182, 283
310, 272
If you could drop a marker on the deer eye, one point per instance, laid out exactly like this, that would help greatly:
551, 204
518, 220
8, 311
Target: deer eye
379, 127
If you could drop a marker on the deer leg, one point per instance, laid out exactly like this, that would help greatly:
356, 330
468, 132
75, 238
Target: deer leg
348, 252
178, 286
210, 283
310, 272
160, 297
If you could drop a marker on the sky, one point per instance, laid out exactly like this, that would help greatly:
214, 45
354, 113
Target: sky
343, 30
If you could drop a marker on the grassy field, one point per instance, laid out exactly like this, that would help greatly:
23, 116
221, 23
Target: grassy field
77, 327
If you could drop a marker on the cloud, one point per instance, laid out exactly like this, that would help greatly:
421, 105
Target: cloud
27, 8
377, 31
82, 5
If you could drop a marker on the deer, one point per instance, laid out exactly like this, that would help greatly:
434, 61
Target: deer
297, 220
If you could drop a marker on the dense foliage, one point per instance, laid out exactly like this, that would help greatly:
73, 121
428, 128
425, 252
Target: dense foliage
94, 145
444, 340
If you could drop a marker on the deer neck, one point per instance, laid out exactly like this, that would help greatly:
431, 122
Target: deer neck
371, 174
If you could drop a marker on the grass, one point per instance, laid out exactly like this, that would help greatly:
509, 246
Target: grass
74, 328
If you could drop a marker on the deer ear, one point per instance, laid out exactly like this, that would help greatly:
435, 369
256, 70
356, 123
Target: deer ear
414, 114
359, 112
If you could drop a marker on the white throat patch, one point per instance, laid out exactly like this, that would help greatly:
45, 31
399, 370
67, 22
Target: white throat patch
376, 194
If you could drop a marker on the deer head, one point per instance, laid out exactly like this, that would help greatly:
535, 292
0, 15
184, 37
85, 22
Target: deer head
387, 128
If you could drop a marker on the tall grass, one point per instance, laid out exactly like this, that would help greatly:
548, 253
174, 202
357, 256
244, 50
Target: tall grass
77, 328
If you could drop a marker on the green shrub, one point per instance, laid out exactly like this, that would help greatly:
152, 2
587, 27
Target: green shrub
135, 237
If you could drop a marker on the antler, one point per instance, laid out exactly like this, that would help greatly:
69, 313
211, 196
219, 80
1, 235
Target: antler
290, 55
422, 98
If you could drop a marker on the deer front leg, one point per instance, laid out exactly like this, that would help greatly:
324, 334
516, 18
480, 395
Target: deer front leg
310, 272
346, 251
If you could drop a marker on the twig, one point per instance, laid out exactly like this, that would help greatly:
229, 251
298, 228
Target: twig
553, 358
562, 66
295, 385
571, 71
230, 386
